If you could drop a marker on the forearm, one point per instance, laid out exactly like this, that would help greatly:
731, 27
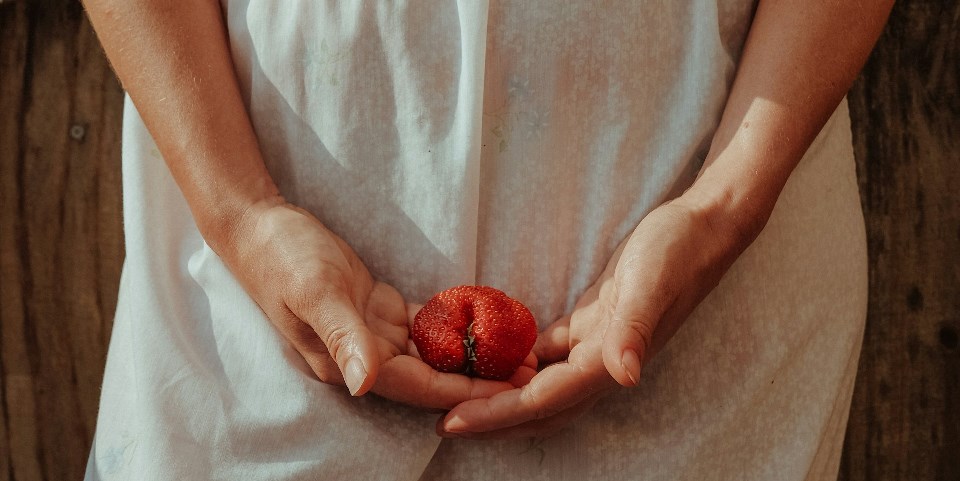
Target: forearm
173, 60
800, 58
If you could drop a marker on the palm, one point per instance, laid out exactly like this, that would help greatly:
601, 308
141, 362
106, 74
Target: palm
322, 298
651, 283
560, 392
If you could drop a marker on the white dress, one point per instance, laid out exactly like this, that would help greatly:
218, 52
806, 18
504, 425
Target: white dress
511, 144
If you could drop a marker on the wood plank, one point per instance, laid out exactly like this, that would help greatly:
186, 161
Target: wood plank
19, 456
61, 200
905, 107
93, 232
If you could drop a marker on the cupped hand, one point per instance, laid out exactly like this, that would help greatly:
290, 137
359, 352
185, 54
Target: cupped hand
350, 328
656, 277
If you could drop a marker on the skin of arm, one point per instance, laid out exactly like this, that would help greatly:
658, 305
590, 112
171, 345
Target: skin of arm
799, 60
174, 61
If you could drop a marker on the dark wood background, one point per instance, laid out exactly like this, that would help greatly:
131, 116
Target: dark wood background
61, 242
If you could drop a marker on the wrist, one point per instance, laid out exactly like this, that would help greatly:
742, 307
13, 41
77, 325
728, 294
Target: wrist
734, 214
228, 219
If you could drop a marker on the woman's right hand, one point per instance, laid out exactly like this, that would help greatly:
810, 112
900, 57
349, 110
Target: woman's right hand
348, 327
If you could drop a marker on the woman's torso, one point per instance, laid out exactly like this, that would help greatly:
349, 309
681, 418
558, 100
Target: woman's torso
512, 144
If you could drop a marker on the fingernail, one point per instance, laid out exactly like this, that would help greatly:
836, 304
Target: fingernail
454, 425
354, 375
630, 363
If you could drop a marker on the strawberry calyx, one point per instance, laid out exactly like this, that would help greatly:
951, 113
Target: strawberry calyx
470, 343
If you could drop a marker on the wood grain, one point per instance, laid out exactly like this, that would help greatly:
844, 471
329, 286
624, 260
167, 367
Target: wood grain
61, 242
905, 107
62, 247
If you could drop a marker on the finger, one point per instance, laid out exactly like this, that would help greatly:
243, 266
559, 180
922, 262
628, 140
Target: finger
386, 303
553, 344
386, 331
410, 381
628, 337
345, 335
553, 390
530, 361
523, 376
386, 315
412, 349
318, 359
324, 367
540, 428
412, 310
314, 352
308, 345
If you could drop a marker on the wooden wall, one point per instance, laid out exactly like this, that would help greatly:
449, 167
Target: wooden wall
61, 242
904, 422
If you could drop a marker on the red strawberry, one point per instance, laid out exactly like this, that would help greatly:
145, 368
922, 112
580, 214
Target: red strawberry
476, 330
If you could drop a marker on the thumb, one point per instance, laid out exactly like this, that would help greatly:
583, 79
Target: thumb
628, 337
348, 339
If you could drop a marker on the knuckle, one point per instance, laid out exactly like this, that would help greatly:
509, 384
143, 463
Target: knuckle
434, 391
335, 336
640, 331
542, 408
544, 412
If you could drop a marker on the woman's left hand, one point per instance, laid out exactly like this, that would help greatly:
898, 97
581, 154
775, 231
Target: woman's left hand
672, 260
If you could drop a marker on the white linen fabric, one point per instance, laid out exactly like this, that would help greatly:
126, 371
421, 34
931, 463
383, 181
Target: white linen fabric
511, 144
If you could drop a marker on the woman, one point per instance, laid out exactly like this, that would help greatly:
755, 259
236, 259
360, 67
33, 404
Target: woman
298, 175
